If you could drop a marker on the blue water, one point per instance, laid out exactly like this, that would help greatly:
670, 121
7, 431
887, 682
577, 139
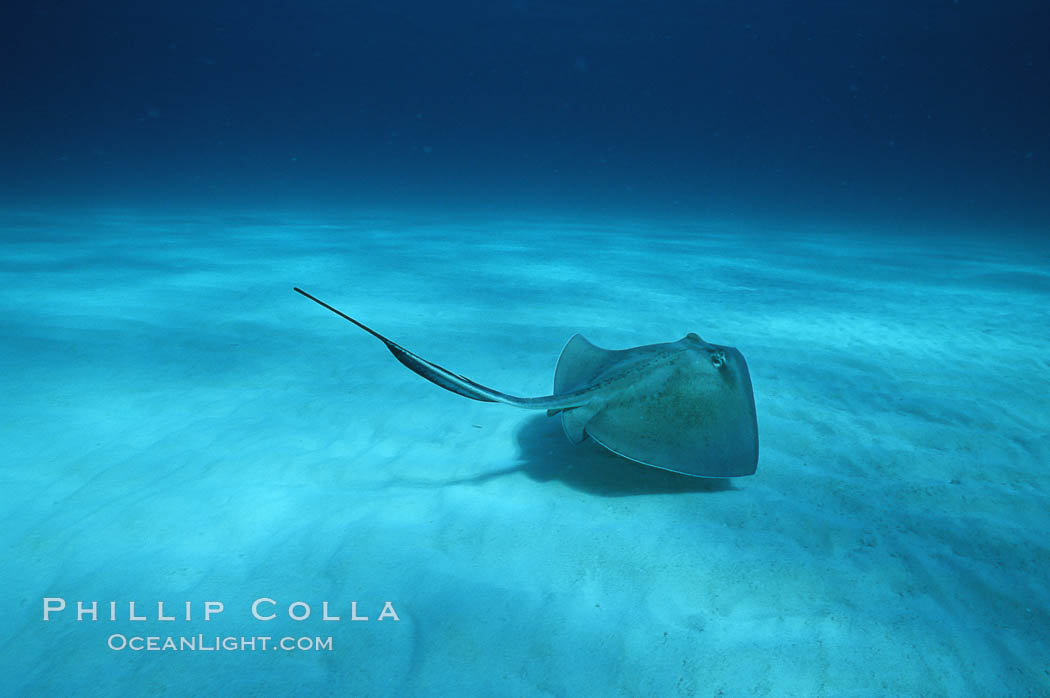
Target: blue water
854, 196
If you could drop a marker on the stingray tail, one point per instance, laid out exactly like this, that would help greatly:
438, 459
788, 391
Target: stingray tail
453, 382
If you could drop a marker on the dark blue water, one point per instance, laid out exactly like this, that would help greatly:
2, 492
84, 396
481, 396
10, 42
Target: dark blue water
925, 112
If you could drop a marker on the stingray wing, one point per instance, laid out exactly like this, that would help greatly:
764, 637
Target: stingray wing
686, 406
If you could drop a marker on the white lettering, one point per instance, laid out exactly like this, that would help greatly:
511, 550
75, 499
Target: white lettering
53, 604
83, 611
388, 612
212, 607
291, 612
255, 609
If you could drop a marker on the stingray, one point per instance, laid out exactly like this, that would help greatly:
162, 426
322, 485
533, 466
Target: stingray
684, 406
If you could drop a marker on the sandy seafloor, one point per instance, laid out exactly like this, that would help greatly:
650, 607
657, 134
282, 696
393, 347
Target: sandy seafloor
178, 425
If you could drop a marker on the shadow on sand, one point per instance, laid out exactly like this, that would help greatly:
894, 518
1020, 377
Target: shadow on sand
547, 455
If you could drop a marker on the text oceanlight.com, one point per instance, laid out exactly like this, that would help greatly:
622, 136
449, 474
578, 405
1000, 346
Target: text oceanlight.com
202, 643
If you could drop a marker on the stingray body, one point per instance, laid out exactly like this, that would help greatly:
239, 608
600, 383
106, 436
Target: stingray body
685, 406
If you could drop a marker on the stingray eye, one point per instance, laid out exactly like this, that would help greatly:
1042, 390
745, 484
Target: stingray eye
718, 358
